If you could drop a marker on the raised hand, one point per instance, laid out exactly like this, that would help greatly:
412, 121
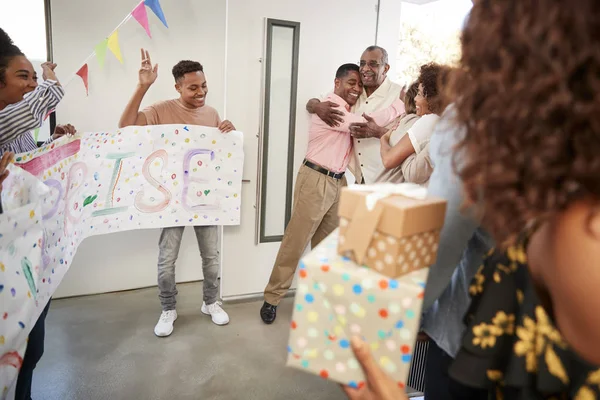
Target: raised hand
48, 71
148, 73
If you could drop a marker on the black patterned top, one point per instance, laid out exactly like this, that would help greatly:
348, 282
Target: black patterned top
512, 345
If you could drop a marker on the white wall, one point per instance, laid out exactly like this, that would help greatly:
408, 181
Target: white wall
332, 33
196, 31
388, 30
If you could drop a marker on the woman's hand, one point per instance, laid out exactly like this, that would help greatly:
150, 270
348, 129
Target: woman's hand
379, 385
62, 130
6, 159
48, 71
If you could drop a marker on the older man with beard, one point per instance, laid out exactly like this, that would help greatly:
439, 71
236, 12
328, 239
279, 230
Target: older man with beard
379, 92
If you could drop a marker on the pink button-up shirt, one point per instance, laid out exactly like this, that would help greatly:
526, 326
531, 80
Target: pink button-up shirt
331, 147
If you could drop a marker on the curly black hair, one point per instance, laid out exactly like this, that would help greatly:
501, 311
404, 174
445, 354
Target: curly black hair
185, 67
528, 94
433, 77
8, 51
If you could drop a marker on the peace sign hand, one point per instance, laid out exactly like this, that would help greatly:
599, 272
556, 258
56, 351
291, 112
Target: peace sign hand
147, 74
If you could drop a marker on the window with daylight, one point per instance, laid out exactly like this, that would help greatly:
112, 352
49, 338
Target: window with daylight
429, 32
28, 31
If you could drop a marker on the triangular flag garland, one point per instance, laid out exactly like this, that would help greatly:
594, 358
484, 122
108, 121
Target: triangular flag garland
113, 45
112, 42
154, 5
100, 51
83, 73
141, 15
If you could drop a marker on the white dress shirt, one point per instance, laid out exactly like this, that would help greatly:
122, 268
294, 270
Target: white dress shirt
367, 151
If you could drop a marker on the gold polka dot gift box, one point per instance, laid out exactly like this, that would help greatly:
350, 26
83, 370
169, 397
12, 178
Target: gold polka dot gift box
391, 228
337, 299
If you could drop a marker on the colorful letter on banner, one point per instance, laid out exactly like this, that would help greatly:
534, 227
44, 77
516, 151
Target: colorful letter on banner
100, 50
113, 45
141, 15
157, 9
83, 73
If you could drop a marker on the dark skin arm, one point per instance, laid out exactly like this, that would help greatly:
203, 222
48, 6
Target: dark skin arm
326, 111
395, 156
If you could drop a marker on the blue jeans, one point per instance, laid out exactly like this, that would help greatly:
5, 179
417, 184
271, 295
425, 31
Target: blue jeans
33, 354
169, 244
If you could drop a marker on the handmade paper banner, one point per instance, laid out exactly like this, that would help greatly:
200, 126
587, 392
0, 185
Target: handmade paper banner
21, 241
98, 183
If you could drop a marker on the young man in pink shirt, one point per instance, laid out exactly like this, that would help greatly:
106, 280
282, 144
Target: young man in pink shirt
191, 109
319, 183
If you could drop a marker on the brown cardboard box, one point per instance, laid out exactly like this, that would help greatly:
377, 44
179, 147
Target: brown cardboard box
391, 233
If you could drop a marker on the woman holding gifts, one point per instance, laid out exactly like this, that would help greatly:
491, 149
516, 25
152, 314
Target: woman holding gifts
527, 97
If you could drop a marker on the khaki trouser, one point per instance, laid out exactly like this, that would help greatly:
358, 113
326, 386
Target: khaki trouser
314, 217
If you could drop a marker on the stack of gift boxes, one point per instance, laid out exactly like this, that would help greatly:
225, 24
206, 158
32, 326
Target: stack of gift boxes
366, 279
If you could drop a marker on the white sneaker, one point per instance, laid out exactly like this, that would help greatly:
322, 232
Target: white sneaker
164, 327
219, 316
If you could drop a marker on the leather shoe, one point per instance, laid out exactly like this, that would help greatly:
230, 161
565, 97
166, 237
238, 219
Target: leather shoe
268, 313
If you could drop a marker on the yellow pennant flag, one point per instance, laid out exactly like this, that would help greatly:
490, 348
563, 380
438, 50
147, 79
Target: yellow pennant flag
113, 45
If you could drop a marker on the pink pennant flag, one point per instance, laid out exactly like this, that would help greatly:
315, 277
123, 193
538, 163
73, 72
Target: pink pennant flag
83, 73
141, 16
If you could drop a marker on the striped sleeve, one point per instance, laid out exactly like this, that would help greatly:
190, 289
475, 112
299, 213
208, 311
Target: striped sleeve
29, 113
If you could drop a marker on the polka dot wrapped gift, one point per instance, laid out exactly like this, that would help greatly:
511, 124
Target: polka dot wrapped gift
393, 229
337, 299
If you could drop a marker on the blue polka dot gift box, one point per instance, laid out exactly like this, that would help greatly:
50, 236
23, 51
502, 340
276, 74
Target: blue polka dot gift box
392, 228
337, 299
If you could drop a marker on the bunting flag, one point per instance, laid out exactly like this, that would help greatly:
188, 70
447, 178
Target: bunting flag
112, 42
100, 51
154, 5
83, 73
113, 45
141, 15
36, 134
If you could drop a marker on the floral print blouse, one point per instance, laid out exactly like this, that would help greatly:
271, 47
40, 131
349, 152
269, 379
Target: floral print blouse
512, 345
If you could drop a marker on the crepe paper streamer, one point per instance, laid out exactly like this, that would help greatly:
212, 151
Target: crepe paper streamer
141, 15
26, 266
154, 5
113, 45
83, 73
100, 51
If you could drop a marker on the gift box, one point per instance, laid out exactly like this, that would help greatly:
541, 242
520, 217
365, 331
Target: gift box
391, 228
337, 299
